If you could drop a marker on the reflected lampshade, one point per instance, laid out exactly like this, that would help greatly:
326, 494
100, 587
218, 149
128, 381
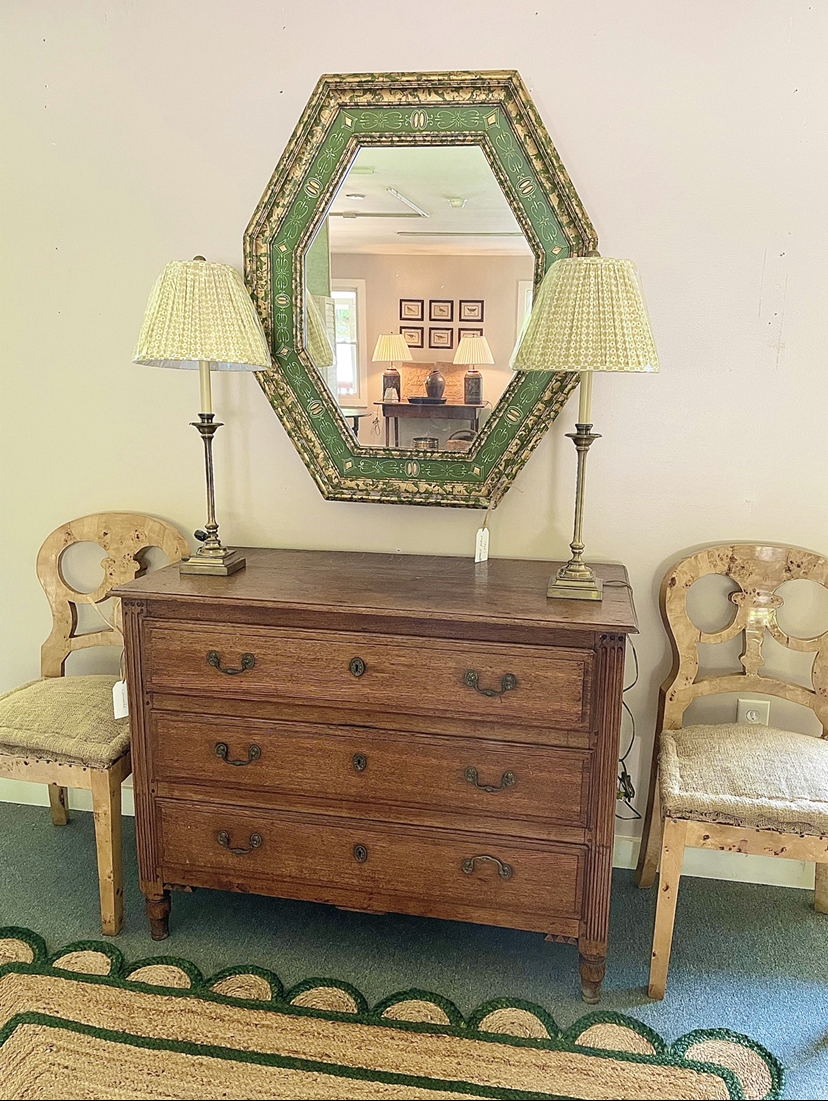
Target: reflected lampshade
201, 312
391, 346
589, 315
473, 350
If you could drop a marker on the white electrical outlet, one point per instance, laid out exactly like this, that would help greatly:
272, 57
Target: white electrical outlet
753, 712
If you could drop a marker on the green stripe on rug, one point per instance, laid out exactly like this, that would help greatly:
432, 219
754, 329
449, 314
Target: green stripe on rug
83, 1016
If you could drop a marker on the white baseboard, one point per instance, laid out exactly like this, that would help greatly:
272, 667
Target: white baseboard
774, 871
21, 791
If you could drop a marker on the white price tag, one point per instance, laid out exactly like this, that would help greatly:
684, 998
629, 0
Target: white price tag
119, 699
481, 546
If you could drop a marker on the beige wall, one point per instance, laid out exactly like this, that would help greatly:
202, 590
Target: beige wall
388, 278
139, 132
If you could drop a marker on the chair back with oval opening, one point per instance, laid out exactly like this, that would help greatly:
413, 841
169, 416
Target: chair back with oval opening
124, 537
758, 570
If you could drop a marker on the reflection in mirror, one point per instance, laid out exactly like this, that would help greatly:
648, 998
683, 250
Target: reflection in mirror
416, 287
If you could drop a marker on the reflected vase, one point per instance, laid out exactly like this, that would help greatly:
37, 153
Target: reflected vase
435, 384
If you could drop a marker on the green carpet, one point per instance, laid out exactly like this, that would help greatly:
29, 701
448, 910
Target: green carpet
748, 958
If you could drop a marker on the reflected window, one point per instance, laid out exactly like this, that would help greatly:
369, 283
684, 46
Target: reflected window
526, 291
349, 331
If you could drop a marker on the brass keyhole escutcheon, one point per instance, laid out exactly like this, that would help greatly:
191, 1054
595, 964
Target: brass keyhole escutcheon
360, 762
360, 854
357, 666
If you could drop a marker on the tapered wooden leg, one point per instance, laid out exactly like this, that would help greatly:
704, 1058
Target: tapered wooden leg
592, 971
106, 804
58, 805
650, 836
672, 854
821, 889
158, 912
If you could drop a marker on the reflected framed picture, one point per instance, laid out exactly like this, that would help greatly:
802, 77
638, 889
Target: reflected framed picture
412, 309
440, 338
412, 335
440, 309
471, 309
461, 332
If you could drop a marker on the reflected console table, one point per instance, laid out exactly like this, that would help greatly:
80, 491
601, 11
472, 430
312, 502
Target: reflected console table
382, 733
396, 410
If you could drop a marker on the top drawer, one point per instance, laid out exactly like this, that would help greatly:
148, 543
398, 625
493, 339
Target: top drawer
542, 686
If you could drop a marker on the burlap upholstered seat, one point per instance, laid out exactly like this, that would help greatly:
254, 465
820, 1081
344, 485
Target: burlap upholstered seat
64, 719
750, 776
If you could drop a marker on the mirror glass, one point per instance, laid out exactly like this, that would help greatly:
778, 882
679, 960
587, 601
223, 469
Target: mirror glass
418, 258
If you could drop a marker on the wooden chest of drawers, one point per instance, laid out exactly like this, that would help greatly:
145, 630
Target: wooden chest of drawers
382, 733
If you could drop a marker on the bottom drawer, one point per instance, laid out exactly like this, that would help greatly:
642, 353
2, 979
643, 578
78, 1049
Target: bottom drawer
434, 873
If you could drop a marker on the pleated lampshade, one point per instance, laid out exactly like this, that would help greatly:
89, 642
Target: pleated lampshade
589, 315
391, 346
200, 311
473, 350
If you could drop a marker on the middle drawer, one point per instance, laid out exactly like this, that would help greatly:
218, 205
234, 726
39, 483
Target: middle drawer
452, 774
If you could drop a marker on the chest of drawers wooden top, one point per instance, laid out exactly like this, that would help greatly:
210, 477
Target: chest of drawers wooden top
383, 733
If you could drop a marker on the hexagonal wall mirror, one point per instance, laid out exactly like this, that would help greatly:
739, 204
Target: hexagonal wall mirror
410, 215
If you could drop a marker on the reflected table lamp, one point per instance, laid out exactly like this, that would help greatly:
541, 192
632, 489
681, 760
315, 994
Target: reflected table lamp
391, 347
473, 350
589, 316
200, 317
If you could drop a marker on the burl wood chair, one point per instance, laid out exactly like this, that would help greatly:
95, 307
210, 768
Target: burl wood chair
735, 788
60, 730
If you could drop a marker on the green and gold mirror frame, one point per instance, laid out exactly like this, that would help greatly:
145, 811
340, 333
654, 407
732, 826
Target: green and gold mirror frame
346, 112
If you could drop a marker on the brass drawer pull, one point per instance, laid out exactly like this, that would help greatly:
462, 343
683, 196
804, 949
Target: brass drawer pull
360, 854
253, 754
505, 871
223, 838
507, 684
357, 666
360, 762
247, 662
506, 780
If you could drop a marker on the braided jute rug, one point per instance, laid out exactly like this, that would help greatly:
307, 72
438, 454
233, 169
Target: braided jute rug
83, 1023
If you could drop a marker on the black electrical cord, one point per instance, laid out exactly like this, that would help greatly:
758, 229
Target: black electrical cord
626, 789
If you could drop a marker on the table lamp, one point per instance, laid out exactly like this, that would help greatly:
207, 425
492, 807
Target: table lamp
390, 347
200, 316
589, 316
473, 350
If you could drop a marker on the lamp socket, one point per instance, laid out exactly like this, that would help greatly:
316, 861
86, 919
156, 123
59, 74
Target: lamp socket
753, 712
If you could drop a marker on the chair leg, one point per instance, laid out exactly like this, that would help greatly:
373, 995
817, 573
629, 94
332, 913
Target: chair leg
672, 854
106, 803
821, 889
650, 837
58, 805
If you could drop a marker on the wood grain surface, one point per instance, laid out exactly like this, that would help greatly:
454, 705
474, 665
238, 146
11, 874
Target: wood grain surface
375, 768
418, 871
392, 675
346, 740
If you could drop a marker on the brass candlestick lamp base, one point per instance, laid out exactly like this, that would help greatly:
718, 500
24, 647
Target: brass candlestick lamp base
575, 580
212, 557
